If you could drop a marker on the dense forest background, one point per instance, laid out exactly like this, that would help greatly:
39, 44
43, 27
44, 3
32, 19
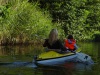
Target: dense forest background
29, 21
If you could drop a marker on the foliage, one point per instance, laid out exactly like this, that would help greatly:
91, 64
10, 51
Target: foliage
96, 36
78, 17
24, 21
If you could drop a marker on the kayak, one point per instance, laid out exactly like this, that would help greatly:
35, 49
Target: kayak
53, 57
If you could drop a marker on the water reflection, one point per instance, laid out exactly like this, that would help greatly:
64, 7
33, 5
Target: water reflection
26, 53
67, 65
67, 68
8, 50
5, 50
18, 53
54, 70
77, 66
20, 50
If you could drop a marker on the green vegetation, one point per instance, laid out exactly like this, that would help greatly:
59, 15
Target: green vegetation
78, 17
26, 21
22, 22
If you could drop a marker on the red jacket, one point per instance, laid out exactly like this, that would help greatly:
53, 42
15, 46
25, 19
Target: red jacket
70, 44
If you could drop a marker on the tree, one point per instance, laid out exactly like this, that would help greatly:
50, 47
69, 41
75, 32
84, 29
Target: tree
75, 16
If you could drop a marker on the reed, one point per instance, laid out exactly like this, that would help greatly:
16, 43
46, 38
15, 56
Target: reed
23, 22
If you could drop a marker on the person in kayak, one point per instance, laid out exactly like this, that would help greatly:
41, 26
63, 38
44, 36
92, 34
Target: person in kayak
53, 42
70, 44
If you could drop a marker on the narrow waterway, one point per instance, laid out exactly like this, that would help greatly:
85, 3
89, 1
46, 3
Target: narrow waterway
24, 55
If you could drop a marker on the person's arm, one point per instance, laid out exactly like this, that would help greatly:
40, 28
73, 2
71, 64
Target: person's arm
76, 47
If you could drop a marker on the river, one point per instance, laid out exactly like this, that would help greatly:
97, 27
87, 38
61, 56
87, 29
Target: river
14, 54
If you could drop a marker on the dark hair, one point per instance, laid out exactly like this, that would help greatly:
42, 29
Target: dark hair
70, 37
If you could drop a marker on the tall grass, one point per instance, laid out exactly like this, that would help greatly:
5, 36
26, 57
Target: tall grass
23, 22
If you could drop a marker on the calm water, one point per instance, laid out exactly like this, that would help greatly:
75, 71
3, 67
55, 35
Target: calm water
25, 54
